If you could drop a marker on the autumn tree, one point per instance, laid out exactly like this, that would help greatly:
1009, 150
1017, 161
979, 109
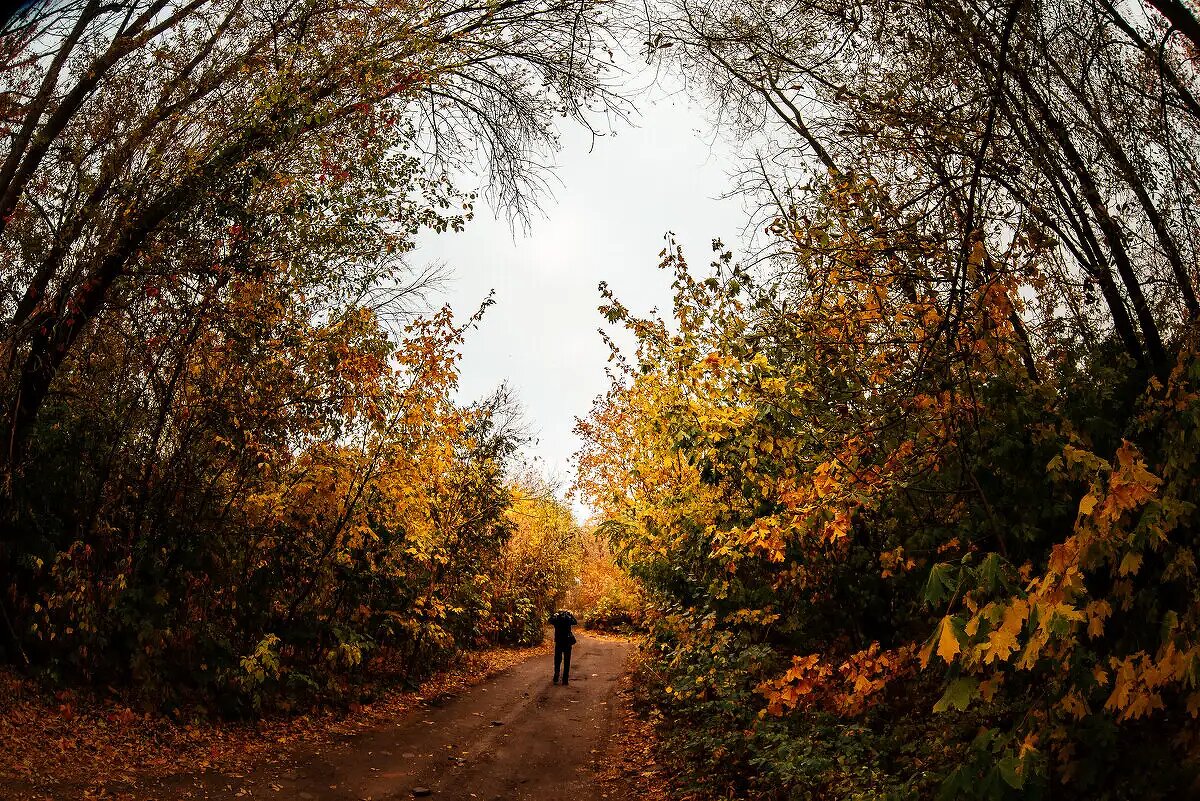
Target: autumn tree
233, 467
606, 596
865, 581
129, 122
1070, 122
538, 565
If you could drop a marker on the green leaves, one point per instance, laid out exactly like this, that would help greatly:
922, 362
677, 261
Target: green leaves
1011, 771
942, 583
958, 695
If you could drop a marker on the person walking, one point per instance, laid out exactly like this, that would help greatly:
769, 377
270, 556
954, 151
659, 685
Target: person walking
562, 620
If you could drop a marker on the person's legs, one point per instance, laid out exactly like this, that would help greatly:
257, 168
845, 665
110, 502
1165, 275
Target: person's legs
566, 664
558, 656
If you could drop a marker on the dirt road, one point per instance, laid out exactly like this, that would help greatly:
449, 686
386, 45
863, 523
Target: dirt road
515, 737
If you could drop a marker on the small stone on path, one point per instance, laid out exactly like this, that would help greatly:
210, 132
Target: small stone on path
421, 791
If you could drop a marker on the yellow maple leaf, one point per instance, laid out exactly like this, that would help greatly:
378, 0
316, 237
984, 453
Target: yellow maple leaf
1130, 564
1003, 641
1075, 706
944, 639
1097, 612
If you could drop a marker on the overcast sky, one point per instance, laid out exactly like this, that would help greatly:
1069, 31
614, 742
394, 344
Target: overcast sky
606, 222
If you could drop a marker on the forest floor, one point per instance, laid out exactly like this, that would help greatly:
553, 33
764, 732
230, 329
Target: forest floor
506, 733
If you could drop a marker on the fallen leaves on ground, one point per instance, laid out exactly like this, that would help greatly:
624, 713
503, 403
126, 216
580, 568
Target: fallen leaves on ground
629, 771
73, 745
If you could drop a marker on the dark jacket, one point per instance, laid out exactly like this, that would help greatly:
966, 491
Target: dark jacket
562, 620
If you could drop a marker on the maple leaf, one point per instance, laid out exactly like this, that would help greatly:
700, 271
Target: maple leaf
945, 640
958, 695
1130, 564
1002, 641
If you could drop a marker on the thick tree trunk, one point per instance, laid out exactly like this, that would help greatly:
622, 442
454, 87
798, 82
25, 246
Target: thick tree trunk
1181, 17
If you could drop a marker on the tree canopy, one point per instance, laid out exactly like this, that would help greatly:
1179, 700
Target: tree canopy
904, 495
